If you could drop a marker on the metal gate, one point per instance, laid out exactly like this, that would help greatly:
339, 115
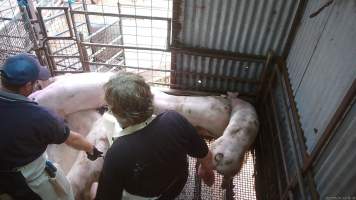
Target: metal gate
77, 37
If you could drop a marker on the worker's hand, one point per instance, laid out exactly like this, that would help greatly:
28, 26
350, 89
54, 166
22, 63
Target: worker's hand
95, 154
207, 175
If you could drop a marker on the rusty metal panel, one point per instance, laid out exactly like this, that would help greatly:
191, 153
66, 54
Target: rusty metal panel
245, 26
335, 174
330, 70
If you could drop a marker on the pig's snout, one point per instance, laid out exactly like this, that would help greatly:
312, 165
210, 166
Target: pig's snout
218, 157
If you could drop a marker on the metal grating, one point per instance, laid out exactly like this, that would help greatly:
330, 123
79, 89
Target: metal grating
243, 184
14, 30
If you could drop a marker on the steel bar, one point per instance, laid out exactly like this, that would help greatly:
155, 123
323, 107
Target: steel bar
119, 15
103, 48
66, 47
282, 68
183, 72
63, 56
276, 127
169, 23
219, 54
114, 56
77, 38
63, 72
264, 75
98, 31
294, 150
122, 46
60, 33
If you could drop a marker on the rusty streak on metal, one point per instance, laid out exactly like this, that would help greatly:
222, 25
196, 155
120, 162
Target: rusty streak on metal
219, 54
327, 4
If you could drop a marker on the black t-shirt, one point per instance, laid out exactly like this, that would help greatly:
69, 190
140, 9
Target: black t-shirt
25, 130
149, 160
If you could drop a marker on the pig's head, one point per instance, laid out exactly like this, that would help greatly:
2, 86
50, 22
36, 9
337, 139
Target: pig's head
227, 156
229, 150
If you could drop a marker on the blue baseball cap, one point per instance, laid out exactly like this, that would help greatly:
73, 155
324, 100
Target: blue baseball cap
23, 68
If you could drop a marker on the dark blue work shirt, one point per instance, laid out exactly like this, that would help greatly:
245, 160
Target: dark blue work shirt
26, 129
151, 161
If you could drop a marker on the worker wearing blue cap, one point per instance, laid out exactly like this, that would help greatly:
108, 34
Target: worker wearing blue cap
26, 130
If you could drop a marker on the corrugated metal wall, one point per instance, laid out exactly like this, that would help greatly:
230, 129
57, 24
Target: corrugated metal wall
245, 26
322, 64
335, 173
220, 74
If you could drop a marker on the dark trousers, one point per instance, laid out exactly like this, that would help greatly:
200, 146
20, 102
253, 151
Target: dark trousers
14, 184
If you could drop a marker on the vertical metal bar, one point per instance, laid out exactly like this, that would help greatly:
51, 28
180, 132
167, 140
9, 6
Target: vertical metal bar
121, 33
229, 192
293, 106
299, 136
77, 40
295, 153
272, 103
169, 24
264, 75
51, 62
69, 21
197, 182
85, 7
28, 26
41, 22
85, 54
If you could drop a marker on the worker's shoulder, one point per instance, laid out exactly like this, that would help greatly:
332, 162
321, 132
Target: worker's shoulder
171, 115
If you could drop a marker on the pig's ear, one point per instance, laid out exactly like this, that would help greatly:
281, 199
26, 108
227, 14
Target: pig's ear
232, 94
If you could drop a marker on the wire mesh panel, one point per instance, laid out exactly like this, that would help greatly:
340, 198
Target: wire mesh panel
242, 186
65, 55
14, 33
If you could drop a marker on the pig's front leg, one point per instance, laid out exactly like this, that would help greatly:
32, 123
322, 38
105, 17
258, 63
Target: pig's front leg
80, 122
84, 172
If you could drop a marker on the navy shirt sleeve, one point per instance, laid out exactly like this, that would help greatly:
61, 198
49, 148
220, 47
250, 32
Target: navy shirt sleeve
51, 127
196, 146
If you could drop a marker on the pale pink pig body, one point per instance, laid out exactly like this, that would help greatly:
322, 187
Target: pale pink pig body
210, 115
73, 92
84, 172
80, 122
229, 149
